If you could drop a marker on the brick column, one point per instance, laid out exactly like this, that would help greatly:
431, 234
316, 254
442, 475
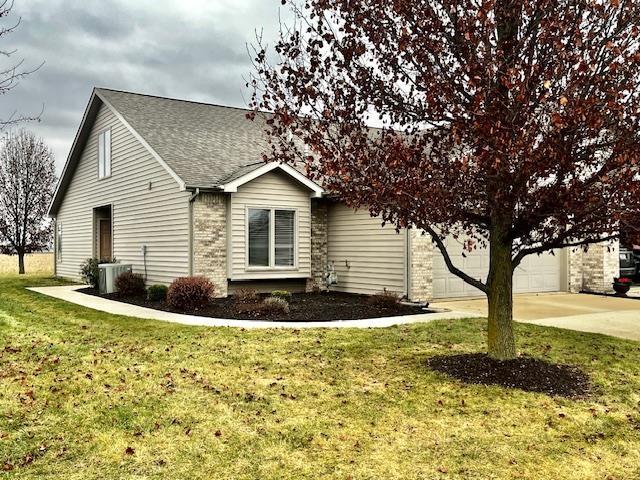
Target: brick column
421, 266
575, 271
600, 264
319, 245
210, 239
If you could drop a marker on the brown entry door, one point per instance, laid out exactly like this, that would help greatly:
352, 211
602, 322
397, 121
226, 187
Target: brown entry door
105, 239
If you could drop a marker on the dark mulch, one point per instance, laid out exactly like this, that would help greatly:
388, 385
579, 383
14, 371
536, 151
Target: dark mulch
525, 373
308, 307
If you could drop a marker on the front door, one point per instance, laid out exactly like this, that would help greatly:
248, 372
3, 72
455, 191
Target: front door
105, 238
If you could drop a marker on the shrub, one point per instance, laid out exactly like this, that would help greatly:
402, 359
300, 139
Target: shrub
245, 295
271, 305
251, 308
275, 305
384, 299
190, 293
90, 272
157, 293
129, 284
283, 294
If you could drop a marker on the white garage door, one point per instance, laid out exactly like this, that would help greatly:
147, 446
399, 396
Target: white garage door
544, 273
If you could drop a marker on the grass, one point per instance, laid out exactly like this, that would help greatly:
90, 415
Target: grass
89, 395
34, 263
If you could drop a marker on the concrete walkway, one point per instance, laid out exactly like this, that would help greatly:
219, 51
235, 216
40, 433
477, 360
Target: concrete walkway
69, 294
619, 317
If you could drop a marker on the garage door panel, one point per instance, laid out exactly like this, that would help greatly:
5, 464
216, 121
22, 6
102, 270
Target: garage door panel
537, 273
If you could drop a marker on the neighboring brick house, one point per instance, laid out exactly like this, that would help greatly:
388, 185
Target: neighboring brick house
178, 188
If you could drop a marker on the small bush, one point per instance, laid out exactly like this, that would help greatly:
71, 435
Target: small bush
245, 295
283, 294
251, 308
190, 293
384, 299
271, 305
275, 305
157, 293
129, 284
90, 272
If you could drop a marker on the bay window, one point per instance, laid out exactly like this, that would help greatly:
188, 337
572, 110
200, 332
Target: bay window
271, 237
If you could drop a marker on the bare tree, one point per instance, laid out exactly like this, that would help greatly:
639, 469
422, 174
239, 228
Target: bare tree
11, 75
27, 182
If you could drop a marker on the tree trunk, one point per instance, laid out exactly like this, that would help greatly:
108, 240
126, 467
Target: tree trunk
21, 263
501, 341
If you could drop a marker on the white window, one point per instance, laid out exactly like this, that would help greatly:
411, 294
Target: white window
104, 154
284, 238
271, 237
259, 233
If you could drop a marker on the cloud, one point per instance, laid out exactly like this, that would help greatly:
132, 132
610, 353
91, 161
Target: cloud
192, 49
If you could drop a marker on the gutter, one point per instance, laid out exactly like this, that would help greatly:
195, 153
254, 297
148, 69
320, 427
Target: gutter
195, 194
192, 199
194, 188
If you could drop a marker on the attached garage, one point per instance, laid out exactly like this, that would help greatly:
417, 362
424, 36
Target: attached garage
544, 273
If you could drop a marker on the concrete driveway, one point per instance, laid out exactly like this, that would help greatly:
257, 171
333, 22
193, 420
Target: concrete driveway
619, 317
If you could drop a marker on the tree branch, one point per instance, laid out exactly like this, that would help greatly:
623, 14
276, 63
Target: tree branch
452, 268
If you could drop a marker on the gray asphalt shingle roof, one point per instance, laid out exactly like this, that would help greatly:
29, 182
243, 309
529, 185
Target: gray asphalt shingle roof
205, 145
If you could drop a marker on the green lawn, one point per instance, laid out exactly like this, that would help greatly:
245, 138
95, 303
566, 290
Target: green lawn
89, 395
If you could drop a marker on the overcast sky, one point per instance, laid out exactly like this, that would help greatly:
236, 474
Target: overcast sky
191, 49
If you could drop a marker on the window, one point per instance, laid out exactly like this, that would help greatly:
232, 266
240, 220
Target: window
284, 238
271, 237
259, 223
59, 242
104, 154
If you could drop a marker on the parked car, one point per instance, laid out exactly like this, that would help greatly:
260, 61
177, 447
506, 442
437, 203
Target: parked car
628, 264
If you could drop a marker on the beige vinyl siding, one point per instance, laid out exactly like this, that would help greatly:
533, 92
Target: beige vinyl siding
376, 255
157, 217
272, 190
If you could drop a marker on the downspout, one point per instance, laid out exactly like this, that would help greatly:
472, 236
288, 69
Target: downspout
407, 259
192, 199
55, 247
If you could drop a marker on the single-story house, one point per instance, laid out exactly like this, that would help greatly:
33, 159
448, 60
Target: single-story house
178, 188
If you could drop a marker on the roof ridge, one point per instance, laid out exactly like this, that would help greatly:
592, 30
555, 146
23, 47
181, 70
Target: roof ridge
173, 99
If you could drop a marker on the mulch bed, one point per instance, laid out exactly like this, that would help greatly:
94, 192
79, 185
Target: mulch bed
524, 373
307, 307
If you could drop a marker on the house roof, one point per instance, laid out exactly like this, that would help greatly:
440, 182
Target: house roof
201, 145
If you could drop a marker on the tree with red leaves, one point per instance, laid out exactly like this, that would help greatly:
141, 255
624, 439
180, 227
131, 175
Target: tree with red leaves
510, 123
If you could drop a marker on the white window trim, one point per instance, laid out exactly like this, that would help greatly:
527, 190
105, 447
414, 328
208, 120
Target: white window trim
102, 132
272, 267
232, 187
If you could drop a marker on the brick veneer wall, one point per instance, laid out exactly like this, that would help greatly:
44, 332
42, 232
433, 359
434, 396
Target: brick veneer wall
593, 270
421, 271
210, 239
574, 269
600, 264
319, 244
